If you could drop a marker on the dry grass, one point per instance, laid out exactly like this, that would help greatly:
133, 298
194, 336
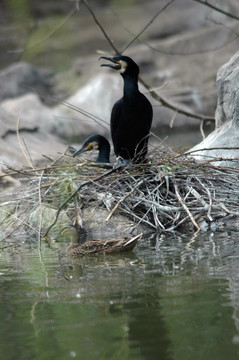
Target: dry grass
170, 192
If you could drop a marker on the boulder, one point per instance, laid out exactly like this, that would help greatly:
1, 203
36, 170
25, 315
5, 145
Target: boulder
96, 226
92, 107
30, 110
19, 78
35, 129
226, 133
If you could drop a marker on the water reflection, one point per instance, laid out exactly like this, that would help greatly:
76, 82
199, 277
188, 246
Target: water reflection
147, 331
174, 297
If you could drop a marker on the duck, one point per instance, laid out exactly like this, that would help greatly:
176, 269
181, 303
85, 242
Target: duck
105, 246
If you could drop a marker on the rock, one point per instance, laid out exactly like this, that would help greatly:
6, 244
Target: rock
16, 79
226, 134
35, 128
96, 227
35, 145
96, 99
33, 114
7, 122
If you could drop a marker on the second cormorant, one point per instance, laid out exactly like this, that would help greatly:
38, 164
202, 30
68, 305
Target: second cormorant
131, 116
97, 142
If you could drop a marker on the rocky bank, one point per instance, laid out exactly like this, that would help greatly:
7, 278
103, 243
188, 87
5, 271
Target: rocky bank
179, 56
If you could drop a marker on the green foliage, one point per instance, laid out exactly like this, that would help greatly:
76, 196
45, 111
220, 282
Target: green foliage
19, 10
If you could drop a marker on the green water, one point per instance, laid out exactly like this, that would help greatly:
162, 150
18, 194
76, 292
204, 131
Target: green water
173, 297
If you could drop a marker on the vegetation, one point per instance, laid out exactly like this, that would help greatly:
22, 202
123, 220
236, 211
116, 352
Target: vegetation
171, 192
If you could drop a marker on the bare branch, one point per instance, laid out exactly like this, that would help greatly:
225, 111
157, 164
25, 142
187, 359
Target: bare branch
169, 105
206, 3
146, 26
214, 148
185, 207
101, 27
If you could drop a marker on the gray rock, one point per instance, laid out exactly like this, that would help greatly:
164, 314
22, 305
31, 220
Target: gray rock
95, 99
35, 129
226, 133
15, 78
31, 112
228, 92
96, 226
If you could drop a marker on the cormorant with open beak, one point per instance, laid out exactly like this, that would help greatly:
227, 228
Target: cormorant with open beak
131, 116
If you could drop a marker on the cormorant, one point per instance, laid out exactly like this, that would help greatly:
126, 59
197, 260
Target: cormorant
97, 142
131, 116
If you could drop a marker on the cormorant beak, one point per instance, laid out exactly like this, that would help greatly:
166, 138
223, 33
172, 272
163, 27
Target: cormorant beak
117, 63
81, 150
84, 148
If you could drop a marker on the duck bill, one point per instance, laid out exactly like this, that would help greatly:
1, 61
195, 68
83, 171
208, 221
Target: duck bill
116, 64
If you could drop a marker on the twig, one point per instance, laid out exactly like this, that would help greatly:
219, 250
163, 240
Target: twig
22, 221
145, 27
100, 26
185, 207
206, 3
213, 148
40, 203
169, 105
52, 98
79, 220
20, 144
201, 129
172, 119
209, 197
122, 199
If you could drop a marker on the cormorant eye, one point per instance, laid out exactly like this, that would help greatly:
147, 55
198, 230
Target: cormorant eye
90, 146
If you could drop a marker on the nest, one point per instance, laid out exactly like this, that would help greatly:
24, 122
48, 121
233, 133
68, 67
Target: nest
170, 192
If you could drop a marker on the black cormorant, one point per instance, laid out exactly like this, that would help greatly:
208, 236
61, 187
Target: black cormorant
97, 142
131, 116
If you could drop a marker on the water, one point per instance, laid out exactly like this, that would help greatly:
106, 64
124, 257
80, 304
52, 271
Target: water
173, 297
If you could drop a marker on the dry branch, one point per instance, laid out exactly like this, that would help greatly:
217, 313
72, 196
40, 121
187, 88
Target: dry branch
206, 3
170, 192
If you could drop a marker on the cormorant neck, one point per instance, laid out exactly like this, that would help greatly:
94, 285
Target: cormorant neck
104, 152
130, 84
103, 157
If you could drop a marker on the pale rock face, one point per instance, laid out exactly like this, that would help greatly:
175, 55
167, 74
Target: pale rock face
33, 120
228, 92
94, 102
226, 133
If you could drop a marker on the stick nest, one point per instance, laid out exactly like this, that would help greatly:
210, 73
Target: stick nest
170, 192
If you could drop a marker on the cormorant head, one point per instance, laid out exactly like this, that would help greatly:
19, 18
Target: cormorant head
96, 142
124, 64
91, 143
